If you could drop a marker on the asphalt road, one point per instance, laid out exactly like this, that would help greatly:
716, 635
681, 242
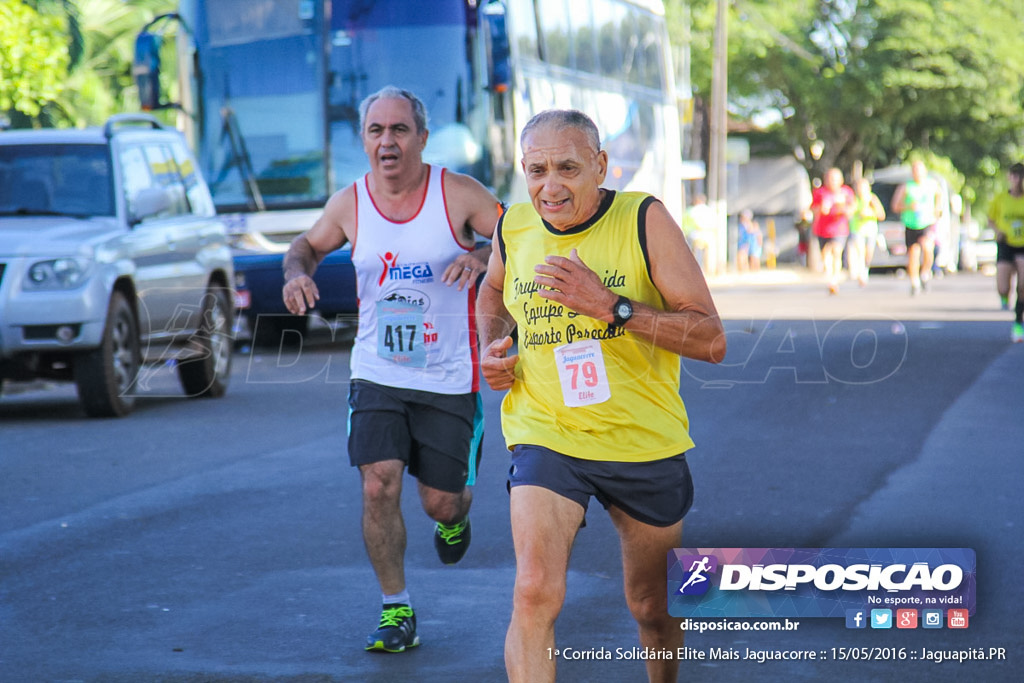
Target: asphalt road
218, 540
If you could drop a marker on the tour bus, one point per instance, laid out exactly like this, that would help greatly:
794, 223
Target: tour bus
270, 91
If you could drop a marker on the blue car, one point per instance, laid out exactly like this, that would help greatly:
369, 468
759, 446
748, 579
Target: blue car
259, 278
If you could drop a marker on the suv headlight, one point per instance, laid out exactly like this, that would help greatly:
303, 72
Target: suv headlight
61, 273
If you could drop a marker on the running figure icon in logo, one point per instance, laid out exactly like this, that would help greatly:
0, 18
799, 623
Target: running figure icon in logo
696, 582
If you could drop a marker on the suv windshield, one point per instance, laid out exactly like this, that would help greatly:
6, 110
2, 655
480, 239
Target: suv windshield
47, 179
884, 191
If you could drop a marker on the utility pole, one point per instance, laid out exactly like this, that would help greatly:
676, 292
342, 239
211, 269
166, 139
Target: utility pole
717, 185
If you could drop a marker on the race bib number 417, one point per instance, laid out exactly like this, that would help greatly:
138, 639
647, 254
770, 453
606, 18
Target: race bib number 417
399, 328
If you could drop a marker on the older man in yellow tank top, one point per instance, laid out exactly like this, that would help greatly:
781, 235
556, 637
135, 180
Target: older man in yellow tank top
606, 297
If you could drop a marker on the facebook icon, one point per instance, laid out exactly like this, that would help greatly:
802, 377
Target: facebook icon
856, 618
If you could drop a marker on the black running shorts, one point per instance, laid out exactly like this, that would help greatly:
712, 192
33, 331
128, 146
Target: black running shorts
1007, 254
912, 236
433, 434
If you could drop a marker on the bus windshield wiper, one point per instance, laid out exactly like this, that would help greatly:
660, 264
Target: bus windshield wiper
25, 211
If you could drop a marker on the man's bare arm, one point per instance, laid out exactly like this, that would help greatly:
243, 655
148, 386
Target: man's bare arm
495, 324
898, 205
475, 213
307, 250
301, 258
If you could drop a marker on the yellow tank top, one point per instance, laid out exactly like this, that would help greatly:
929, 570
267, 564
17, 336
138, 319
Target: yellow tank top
1007, 212
644, 418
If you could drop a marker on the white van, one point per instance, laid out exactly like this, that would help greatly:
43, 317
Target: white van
891, 249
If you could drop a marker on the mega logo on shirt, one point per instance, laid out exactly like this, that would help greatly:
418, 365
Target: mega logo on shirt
817, 582
393, 270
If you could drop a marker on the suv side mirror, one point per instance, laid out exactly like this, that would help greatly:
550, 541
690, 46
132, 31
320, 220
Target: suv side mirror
149, 202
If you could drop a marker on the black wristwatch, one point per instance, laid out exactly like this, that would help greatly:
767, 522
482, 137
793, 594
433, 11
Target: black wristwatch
622, 311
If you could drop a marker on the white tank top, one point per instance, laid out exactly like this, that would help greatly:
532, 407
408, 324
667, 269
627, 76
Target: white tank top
415, 332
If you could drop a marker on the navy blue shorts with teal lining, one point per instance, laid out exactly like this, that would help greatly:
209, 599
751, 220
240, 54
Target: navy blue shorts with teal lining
658, 492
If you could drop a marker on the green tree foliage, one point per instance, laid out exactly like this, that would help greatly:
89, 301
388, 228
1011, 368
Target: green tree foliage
103, 75
92, 42
33, 58
875, 80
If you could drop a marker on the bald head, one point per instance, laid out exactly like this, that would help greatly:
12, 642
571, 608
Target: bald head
558, 119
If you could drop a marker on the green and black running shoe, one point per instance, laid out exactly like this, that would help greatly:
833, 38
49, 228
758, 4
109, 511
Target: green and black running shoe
451, 542
396, 632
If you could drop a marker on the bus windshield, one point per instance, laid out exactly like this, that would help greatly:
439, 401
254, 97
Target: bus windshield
421, 46
270, 91
269, 127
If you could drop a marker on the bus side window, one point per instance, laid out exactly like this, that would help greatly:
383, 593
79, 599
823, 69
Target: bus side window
523, 28
608, 51
556, 39
632, 51
650, 52
583, 43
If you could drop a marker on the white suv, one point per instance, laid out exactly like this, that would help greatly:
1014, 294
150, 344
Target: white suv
111, 254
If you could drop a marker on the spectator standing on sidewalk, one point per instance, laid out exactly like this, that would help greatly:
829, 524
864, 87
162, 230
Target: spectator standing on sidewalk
699, 227
750, 243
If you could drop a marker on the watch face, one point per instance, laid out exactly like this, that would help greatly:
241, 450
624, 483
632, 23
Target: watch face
624, 309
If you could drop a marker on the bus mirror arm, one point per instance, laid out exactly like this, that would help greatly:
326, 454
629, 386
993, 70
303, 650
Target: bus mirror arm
146, 63
146, 70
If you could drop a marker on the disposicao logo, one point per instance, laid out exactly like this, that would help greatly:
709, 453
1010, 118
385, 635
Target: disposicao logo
696, 581
818, 582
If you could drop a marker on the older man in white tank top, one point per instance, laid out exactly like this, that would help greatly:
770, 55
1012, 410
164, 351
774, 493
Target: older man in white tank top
413, 401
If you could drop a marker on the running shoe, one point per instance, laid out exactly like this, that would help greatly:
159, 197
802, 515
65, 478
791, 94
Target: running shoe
451, 542
396, 632
1017, 335
1004, 304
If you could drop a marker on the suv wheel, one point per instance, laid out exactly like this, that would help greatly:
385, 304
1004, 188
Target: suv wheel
207, 368
106, 376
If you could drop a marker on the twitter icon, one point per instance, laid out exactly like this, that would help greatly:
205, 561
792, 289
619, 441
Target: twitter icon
881, 618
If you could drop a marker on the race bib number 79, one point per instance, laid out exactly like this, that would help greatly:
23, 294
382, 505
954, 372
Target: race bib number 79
581, 373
